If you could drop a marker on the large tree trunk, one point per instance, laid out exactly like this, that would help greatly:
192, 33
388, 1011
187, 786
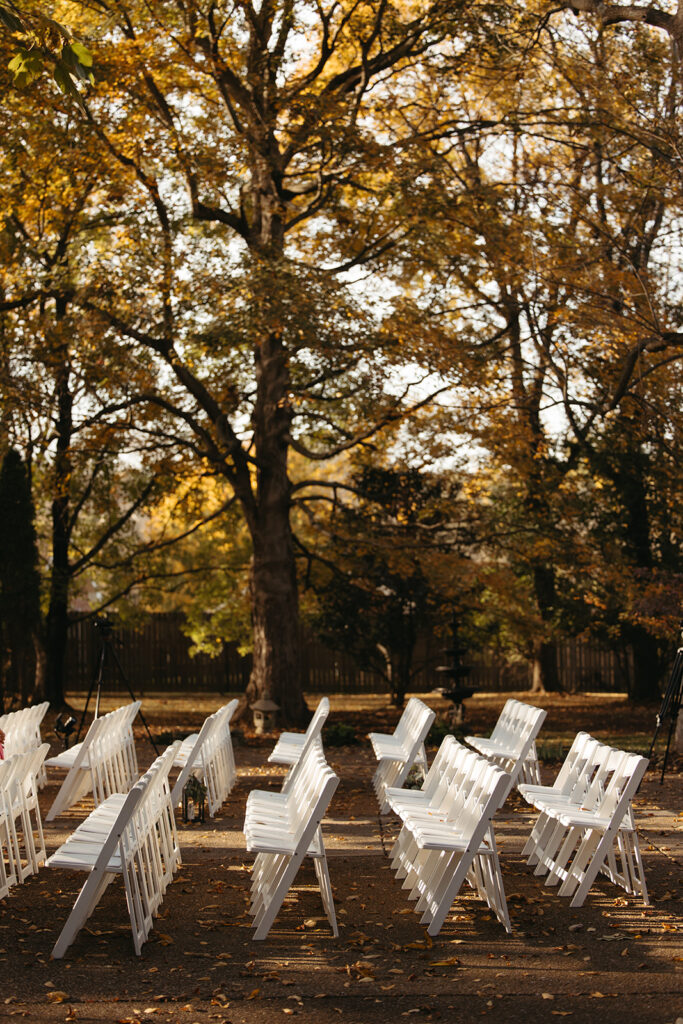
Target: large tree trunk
276, 670
544, 664
57, 615
275, 611
544, 677
55, 643
644, 684
631, 478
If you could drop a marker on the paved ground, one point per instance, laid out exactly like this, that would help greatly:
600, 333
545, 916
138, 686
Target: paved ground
609, 961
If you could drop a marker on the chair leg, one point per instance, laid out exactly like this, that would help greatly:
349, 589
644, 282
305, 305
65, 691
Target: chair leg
327, 897
86, 901
277, 895
588, 861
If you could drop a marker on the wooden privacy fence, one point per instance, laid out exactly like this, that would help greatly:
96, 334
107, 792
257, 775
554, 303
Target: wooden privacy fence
156, 658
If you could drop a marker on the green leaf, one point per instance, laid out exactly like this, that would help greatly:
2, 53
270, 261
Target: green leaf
63, 79
26, 65
83, 54
71, 63
66, 83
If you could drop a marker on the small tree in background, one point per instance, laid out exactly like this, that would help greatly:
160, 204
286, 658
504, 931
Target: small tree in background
20, 622
385, 569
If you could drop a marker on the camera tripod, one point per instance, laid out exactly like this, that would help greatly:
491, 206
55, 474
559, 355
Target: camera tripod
671, 704
104, 630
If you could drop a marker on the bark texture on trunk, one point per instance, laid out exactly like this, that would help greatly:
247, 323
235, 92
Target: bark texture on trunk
275, 623
57, 616
647, 667
544, 675
276, 670
544, 665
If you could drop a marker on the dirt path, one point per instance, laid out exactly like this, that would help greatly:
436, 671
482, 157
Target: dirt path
609, 961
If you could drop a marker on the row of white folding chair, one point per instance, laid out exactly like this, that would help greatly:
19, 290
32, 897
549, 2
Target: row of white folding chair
447, 835
133, 835
209, 755
512, 744
290, 745
104, 762
396, 753
22, 732
304, 752
581, 782
283, 828
586, 824
22, 843
432, 799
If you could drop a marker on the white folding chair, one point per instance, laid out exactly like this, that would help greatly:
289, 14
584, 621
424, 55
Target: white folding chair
282, 828
9, 852
512, 744
22, 732
399, 797
7, 876
594, 830
453, 841
396, 753
436, 798
290, 745
571, 784
104, 762
22, 831
132, 835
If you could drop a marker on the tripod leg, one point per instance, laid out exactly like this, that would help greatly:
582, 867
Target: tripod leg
671, 704
96, 682
133, 697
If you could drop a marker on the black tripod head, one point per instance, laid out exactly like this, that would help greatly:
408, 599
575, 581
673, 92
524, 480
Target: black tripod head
104, 627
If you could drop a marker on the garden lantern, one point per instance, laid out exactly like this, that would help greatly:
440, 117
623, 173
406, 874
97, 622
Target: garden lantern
194, 805
265, 715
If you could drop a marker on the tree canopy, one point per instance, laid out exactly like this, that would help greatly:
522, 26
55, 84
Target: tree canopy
271, 236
